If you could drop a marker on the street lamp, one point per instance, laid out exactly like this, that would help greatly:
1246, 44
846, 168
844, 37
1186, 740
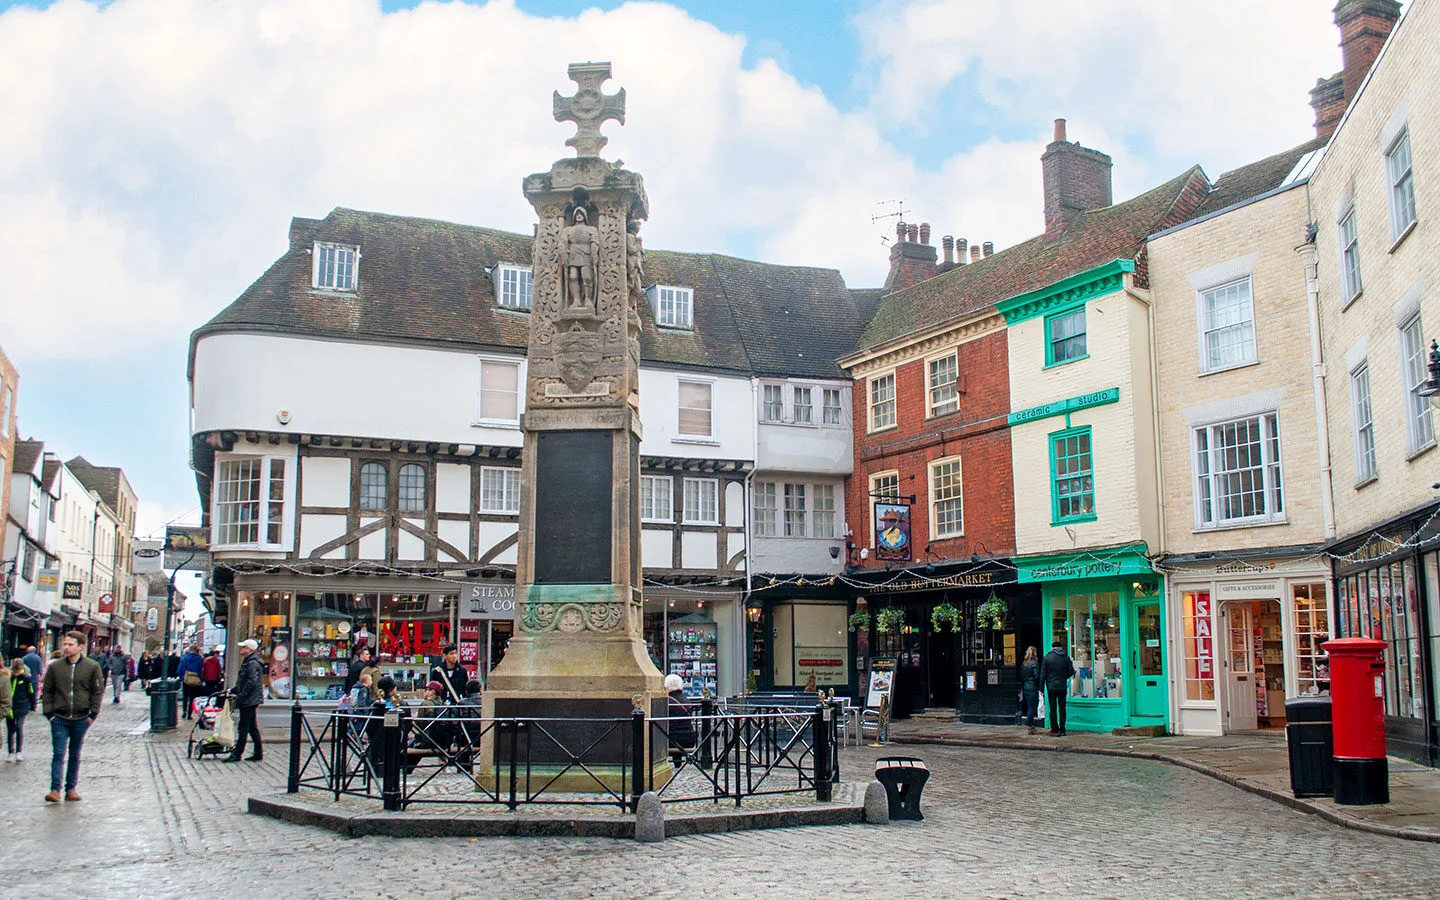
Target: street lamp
170, 602
1430, 387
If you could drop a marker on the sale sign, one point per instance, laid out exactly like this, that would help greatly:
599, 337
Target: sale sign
1204, 638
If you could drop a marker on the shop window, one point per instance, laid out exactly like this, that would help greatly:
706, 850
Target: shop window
882, 401
657, 498
499, 395
1237, 473
944, 377
765, 509
1312, 628
412, 488
696, 405
1072, 476
249, 496
265, 617
403, 631
1065, 337
1383, 603
1089, 626
500, 490
810, 639
702, 503
1199, 646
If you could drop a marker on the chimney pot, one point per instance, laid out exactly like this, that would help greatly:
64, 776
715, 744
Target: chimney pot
975, 253
989, 248
900, 231
960, 246
1059, 129
1076, 179
948, 244
912, 233
924, 232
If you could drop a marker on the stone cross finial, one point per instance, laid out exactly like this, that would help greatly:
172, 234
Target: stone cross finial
589, 107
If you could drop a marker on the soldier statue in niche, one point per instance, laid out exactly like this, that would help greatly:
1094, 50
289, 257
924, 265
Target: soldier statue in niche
579, 255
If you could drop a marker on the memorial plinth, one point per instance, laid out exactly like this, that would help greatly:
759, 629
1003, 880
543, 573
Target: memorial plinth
578, 649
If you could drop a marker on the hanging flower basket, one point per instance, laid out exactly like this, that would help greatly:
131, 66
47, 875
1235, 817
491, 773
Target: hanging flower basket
889, 620
860, 620
945, 614
991, 613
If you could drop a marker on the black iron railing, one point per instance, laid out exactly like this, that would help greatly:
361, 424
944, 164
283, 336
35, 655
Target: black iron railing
456, 756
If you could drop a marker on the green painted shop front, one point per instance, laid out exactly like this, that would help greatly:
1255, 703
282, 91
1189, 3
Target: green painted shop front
1106, 607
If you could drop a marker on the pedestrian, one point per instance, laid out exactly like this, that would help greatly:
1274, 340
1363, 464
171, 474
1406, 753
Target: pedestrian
192, 667
115, 666
682, 729
132, 670
22, 700
34, 663
71, 697
213, 673
5, 692
1030, 685
358, 663
387, 691
451, 675
1056, 670
172, 664
248, 693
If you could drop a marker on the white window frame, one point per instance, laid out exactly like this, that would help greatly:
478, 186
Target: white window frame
1207, 472
693, 506
870, 403
509, 492
796, 509
654, 489
796, 405
838, 407
350, 283
951, 403
1350, 278
709, 434
1419, 426
674, 306
772, 412
514, 287
1400, 185
480, 390
1362, 417
824, 499
874, 498
1207, 328
935, 500
264, 519
766, 505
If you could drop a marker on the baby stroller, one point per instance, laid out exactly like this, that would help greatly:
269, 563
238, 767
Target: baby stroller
214, 732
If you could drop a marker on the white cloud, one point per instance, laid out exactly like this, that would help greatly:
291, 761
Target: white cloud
154, 150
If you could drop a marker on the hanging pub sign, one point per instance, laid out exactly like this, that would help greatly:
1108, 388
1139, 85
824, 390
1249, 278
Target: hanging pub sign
72, 590
106, 604
892, 532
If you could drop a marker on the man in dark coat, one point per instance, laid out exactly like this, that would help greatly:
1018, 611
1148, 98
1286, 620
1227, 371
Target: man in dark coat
451, 675
249, 693
1056, 670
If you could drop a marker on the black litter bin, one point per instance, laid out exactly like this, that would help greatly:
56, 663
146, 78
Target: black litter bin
1311, 739
163, 692
904, 778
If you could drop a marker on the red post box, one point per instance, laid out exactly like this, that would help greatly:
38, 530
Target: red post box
1357, 693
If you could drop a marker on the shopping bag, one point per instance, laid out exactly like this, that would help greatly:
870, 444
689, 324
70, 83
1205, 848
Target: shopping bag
225, 726
1040, 706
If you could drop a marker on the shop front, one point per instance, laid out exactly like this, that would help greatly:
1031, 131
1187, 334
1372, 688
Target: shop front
808, 638
1387, 587
697, 634
1246, 637
1104, 607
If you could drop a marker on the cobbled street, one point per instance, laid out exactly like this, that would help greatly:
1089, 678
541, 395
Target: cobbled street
998, 824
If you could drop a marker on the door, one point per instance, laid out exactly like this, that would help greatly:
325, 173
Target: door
942, 668
1147, 655
1239, 667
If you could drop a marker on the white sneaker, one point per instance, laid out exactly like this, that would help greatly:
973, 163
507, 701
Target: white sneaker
19, 757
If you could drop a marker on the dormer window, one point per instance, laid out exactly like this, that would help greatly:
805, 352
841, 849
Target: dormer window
514, 286
674, 306
337, 266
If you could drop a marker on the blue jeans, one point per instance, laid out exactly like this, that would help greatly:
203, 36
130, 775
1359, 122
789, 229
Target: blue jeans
66, 733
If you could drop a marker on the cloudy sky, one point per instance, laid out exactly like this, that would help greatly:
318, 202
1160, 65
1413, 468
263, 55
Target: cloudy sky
154, 151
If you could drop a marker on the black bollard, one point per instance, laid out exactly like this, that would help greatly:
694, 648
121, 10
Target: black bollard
297, 722
821, 749
637, 757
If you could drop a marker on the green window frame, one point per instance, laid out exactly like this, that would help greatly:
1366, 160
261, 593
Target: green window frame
1072, 476
1065, 336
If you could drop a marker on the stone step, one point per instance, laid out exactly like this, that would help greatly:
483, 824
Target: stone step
1140, 731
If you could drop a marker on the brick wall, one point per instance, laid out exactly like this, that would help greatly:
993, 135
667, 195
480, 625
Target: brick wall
976, 432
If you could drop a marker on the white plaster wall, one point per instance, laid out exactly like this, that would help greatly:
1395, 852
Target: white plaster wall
456, 534
326, 481
736, 544
410, 546
452, 488
317, 530
732, 416
657, 548
1114, 448
242, 381
805, 555
735, 504
372, 546
492, 533
698, 549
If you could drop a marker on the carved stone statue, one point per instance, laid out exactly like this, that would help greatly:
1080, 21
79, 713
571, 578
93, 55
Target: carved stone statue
634, 261
579, 250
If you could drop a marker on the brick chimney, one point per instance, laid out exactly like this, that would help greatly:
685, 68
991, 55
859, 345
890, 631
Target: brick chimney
1364, 25
911, 260
1077, 180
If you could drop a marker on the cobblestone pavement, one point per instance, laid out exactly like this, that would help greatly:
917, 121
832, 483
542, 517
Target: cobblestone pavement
998, 824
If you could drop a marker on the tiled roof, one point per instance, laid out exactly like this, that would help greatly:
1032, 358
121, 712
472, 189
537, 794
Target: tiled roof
1096, 237
49, 471
427, 280
103, 480
1246, 182
27, 453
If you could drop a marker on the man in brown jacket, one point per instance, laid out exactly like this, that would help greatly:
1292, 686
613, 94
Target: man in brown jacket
73, 692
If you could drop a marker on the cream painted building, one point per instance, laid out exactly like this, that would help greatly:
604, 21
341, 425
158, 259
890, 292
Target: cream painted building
1375, 265
1246, 506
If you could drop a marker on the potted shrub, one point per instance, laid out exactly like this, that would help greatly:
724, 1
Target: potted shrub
889, 620
991, 613
860, 620
945, 614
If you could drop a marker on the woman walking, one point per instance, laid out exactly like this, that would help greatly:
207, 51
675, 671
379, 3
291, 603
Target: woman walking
1030, 685
22, 700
